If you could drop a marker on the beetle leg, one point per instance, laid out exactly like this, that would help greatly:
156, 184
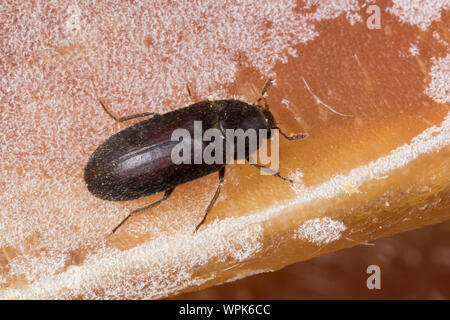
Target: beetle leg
297, 136
276, 174
189, 93
214, 199
167, 194
123, 119
263, 95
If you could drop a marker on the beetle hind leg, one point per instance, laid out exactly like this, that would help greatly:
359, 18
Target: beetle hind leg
272, 172
167, 194
123, 119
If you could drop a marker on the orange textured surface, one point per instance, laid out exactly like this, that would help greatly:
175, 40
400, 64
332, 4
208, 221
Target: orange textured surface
414, 265
380, 171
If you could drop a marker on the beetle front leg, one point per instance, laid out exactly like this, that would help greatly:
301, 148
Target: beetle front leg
214, 199
276, 174
123, 119
189, 93
297, 136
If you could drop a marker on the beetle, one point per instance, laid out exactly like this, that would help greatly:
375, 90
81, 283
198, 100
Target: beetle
136, 161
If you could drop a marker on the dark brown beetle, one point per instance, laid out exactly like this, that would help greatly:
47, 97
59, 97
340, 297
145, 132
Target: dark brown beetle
136, 161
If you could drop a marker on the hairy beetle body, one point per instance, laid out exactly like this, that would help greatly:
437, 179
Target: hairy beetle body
138, 161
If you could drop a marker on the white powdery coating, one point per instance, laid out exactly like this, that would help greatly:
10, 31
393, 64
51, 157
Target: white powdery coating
297, 178
247, 273
439, 87
57, 59
334, 8
58, 220
439, 39
320, 231
154, 269
414, 50
159, 48
419, 12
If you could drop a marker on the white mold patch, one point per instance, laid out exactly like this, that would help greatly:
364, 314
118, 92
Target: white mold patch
332, 9
247, 273
439, 87
297, 181
439, 39
413, 50
320, 230
73, 22
418, 12
153, 269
